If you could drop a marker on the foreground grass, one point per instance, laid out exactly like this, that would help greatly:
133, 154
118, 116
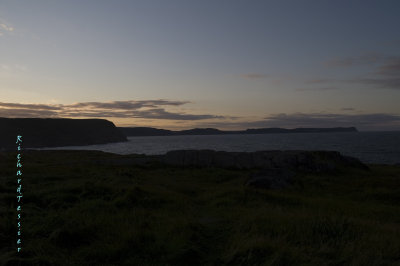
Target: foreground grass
79, 212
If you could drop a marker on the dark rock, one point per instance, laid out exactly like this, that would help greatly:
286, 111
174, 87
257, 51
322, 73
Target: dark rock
263, 159
308, 161
224, 159
273, 178
175, 158
190, 158
139, 161
205, 158
354, 162
244, 160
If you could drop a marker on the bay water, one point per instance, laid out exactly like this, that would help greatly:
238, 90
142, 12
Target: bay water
369, 147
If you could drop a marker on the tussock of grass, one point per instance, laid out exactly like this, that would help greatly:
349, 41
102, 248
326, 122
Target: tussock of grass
79, 212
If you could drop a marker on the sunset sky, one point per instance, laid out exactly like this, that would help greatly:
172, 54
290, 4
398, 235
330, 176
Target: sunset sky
223, 63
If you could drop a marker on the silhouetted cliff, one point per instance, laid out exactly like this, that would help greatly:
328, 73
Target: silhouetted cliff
148, 131
39, 132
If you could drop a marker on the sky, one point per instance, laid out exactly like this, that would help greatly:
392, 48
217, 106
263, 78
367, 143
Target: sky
227, 64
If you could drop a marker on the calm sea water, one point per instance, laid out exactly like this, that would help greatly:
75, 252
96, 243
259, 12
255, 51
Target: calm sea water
369, 147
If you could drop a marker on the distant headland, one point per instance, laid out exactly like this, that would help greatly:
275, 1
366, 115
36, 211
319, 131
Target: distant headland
57, 132
149, 131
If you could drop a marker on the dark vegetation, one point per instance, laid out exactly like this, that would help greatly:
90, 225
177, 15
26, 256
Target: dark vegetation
41, 132
149, 131
80, 211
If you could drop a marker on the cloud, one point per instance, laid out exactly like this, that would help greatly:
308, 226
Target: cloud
386, 76
12, 68
385, 73
348, 109
318, 81
150, 109
253, 76
4, 28
379, 83
126, 105
30, 106
158, 113
162, 114
318, 89
391, 67
27, 113
365, 59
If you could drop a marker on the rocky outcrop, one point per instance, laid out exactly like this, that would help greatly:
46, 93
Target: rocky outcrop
38, 132
274, 178
275, 168
292, 161
311, 161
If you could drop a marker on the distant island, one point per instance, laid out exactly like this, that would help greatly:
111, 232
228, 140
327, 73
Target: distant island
51, 132
149, 131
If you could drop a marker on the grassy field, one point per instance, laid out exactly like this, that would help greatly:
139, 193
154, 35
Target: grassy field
79, 212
